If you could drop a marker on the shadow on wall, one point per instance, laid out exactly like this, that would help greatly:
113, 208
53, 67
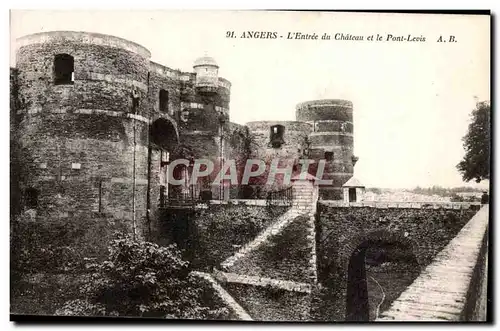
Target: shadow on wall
376, 255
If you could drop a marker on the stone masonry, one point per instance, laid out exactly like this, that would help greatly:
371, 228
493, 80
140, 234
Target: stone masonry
443, 291
100, 138
305, 196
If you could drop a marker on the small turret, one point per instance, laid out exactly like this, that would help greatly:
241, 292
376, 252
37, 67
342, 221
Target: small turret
207, 74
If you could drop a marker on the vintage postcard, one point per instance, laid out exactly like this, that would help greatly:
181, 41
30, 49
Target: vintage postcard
250, 165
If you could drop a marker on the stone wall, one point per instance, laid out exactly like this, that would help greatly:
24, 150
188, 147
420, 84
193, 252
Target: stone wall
15, 191
271, 304
104, 74
62, 246
403, 205
85, 145
450, 287
278, 267
158, 80
341, 229
221, 230
416, 233
285, 256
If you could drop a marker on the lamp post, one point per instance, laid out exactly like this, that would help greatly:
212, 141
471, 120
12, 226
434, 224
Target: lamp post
222, 121
135, 107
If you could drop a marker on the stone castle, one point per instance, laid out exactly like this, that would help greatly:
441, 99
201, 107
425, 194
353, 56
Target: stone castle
95, 127
95, 124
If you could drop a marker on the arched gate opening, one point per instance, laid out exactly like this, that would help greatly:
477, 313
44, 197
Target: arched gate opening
378, 271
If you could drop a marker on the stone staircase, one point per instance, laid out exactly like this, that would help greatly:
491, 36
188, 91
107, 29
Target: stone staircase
227, 277
305, 196
224, 296
263, 237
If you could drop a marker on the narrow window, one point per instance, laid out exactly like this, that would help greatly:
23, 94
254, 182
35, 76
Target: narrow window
136, 96
135, 104
276, 137
31, 195
352, 194
329, 156
163, 101
64, 67
165, 158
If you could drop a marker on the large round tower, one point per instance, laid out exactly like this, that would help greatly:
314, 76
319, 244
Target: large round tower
83, 124
204, 114
331, 140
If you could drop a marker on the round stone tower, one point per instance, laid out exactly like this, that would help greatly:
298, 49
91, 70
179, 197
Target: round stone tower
204, 114
204, 108
331, 139
207, 74
83, 126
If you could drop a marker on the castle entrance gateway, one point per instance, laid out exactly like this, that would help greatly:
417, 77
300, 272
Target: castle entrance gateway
163, 133
164, 138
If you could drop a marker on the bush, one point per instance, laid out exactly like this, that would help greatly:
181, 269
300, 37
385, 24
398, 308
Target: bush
140, 278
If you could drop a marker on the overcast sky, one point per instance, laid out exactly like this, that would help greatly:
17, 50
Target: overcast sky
412, 100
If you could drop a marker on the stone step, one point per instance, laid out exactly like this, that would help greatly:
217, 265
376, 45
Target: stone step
264, 236
264, 281
225, 296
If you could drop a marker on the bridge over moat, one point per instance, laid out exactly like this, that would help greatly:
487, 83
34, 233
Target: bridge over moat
349, 257
352, 240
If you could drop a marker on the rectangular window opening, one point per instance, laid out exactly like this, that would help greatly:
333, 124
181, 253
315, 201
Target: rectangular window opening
64, 69
276, 136
163, 101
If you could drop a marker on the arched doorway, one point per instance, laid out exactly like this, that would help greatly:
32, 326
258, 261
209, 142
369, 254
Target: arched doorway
163, 133
378, 271
163, 140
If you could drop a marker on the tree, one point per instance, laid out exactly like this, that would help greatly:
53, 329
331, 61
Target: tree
476, 162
